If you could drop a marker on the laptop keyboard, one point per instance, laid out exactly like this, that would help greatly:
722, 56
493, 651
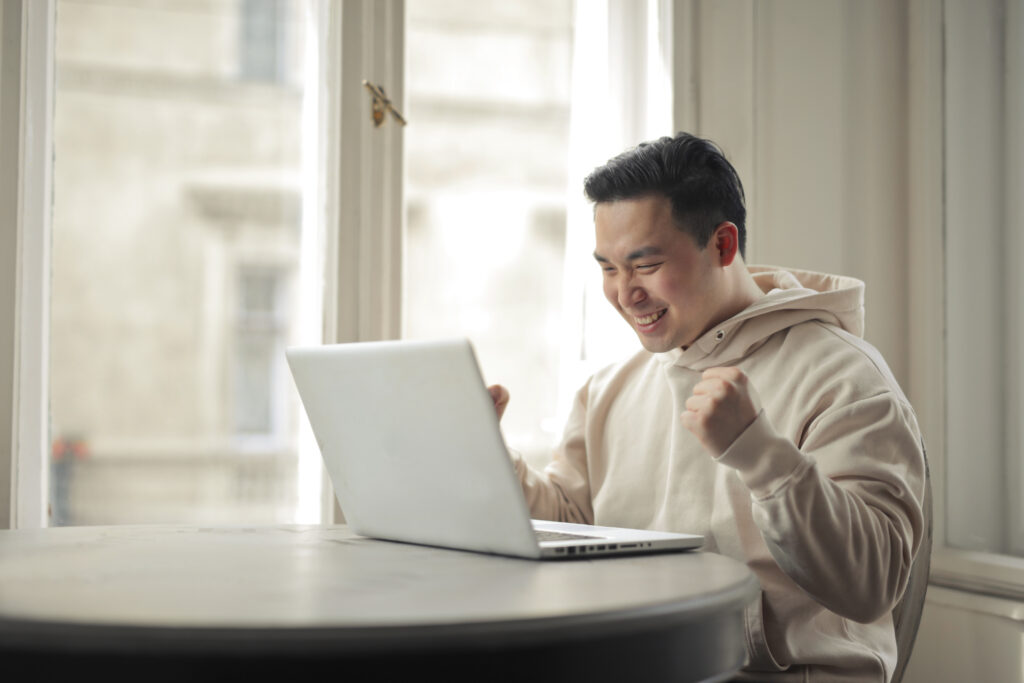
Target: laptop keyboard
560, 536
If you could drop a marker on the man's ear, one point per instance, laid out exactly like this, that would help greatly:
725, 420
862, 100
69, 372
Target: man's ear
726, 241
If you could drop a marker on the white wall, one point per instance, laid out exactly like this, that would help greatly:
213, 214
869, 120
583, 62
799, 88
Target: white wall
807, 98
967, 637
832, 112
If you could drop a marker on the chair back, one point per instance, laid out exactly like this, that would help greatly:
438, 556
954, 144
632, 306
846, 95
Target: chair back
906, 616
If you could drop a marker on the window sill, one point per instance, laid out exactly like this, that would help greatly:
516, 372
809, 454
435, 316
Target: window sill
979, 574
973, 602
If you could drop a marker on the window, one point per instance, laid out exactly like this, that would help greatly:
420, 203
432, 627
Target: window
510, 106
983, 518
488, 94
178, 240
180, 258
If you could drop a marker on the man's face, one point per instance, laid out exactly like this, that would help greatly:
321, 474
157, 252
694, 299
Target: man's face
654, 274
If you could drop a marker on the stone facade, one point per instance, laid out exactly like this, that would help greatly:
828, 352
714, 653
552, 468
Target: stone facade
177, 230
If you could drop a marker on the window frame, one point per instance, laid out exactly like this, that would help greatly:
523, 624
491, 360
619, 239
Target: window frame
26, 131
364, 204
968, 570
363, 199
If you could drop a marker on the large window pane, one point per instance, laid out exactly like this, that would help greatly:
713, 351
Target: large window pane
176, 245
487, 92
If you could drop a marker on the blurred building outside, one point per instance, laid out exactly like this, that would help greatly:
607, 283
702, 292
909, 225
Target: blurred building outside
177, 232
488, 88
175, 251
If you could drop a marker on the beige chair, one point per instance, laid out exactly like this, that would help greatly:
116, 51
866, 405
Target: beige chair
907, 614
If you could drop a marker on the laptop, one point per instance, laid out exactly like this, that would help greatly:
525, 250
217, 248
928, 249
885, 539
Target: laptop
410, 440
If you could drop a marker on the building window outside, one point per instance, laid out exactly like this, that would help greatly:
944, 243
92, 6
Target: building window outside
176, 230
262, 41
261, 340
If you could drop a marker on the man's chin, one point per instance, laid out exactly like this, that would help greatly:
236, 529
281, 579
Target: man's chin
655, 345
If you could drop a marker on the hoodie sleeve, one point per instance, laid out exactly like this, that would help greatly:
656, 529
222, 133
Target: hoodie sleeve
842, 514
562, 491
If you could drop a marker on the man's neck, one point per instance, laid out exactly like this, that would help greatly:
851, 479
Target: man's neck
741, 291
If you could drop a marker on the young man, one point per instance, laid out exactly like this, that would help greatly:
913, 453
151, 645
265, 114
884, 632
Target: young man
756, 415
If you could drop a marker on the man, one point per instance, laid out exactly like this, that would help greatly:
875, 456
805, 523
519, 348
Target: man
755, 415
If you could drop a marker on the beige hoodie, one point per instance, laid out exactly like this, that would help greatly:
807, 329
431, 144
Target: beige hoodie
820, 496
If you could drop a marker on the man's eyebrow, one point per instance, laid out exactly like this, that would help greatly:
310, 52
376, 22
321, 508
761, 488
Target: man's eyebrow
642, 252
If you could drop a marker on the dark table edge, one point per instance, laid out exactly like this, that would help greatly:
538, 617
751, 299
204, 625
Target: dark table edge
17, 634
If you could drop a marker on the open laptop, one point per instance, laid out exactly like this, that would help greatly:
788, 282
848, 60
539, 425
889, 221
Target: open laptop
410, 439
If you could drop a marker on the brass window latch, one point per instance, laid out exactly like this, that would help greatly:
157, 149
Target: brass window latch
381, 105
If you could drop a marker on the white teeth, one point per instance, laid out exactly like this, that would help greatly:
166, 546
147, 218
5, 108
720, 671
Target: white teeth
648, 319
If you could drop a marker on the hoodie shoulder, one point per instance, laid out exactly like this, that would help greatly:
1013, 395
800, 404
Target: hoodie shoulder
828, 356
868, 355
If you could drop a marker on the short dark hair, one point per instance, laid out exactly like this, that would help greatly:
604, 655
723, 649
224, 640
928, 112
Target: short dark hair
692, 172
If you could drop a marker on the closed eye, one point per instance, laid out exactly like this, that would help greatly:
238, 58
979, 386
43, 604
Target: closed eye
648, 266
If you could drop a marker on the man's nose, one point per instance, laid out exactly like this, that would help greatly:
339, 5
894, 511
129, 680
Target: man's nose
630, 292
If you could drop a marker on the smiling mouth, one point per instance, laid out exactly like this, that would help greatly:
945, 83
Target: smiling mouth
648, 320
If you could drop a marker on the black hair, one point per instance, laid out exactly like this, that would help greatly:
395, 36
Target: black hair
691, 172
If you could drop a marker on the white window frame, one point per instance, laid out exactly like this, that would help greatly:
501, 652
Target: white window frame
364, 172
363, 200
26, 183
981, 190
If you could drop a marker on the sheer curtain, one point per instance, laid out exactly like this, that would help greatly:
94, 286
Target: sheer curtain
621, 96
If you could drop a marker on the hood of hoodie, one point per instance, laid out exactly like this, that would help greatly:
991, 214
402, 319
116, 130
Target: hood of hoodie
791, 297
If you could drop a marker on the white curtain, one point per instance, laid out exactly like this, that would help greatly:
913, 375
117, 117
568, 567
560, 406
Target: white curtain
622, 95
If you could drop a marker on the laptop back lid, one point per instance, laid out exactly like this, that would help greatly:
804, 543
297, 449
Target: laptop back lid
410, 439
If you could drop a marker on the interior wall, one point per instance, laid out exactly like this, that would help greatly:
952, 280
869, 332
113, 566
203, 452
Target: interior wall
831, 111
808, 99
967, 637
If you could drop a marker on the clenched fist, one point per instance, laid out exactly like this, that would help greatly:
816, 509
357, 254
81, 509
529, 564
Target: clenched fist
499, 395
723, 404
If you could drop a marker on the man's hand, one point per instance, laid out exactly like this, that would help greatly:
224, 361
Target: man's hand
499, 395
723, 404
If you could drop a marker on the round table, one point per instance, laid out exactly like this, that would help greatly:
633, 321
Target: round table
209, 603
